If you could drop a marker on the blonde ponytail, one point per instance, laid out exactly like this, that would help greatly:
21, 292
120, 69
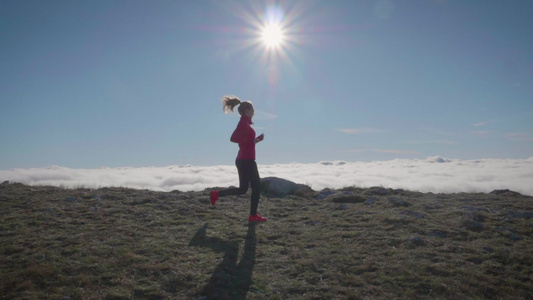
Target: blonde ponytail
229, 103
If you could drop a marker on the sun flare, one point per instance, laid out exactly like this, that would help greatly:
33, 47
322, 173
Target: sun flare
272, 35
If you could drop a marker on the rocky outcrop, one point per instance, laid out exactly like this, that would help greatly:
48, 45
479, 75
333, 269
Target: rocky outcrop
279, 187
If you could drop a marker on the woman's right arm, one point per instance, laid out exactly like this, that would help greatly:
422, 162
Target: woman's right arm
236, 137
243, 135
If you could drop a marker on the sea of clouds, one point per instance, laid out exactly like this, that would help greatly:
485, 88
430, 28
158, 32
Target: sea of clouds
434, 174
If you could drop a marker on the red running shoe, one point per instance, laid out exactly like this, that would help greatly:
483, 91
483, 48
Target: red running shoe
214, 197
256, 218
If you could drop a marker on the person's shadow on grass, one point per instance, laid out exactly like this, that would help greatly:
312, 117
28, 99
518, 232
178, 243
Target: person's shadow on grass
231, 280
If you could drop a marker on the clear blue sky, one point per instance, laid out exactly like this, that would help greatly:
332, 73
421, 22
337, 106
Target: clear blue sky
86, 84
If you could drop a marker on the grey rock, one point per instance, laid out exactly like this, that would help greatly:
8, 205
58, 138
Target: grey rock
506, 192
520, 215
475, 260
506, 231
413, 214
417, 241
348, 199
438, 233
325, 193
472, 225
72, 200
398, 202
341, 207
488, 249
377, 191
279, 187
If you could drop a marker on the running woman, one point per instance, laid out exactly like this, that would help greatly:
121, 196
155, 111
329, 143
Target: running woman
244, 135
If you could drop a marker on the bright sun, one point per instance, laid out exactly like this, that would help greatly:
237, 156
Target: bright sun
272, 35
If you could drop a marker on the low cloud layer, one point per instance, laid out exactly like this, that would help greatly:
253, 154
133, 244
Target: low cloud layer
434, 174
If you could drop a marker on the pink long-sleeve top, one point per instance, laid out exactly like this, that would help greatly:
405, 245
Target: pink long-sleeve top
244, 135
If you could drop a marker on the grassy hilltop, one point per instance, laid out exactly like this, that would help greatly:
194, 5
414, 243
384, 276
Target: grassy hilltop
116, 243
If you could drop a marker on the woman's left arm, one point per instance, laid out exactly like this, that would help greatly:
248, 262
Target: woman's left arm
259, 138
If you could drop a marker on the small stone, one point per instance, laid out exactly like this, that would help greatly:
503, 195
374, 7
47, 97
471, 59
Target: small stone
417, 241
348, 199
473, 225
475, 260
438, 233
341, 207
72, 199
413, 214
503, 230
324, 194
369, 202
488, 249
377, 191
506, 192
515, 237
398, 202
520, 215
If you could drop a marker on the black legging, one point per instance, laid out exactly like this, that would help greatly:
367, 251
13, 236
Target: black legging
248, 175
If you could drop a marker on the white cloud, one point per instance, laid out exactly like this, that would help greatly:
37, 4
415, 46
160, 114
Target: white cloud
439, 142
434, 174
358, 130
484, 123
394, 151
519, 137
261, 115
482, 133
391, 151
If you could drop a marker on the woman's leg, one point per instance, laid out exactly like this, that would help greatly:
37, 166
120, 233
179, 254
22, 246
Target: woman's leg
244, 179
248, 175
255, 182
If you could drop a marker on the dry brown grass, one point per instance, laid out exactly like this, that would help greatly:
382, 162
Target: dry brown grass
115, 243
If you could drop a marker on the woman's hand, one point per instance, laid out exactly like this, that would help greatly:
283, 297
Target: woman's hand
259, 138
